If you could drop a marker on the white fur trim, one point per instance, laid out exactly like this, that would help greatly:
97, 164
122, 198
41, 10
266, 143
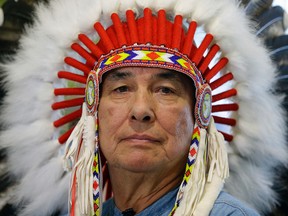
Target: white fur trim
205, 185
195, 187
79, 157
211, 192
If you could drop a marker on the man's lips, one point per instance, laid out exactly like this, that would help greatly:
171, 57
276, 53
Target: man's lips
141, 138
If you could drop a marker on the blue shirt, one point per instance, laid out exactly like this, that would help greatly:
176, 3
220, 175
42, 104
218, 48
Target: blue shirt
225, 205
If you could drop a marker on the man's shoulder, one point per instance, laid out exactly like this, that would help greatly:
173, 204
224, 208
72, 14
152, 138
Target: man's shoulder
226, 204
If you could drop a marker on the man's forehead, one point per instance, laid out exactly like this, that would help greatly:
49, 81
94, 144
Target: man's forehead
131, 72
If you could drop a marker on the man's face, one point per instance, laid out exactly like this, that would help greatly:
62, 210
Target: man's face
145, 119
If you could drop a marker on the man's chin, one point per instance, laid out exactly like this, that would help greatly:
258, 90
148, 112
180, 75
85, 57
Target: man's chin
140, 165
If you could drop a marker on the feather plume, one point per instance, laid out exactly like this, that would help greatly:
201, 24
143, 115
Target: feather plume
165, 5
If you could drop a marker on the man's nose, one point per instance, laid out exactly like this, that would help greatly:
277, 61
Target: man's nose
142, 107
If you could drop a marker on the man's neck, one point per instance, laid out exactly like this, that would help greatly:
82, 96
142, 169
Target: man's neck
138, 191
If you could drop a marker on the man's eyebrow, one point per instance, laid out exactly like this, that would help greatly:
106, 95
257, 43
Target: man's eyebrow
168, 75
116, 75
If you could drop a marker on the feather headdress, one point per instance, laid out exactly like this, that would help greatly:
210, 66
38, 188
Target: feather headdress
37, 79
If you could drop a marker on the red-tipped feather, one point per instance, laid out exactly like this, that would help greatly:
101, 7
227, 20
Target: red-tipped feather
148, 25
63, 138
226, 121
222, 80
78, 65
104, 37
154, 31
95, 50
68, 118
140, 30
224, 95
227, 137
209, 57
202, 48
225, 107
188, 43
82, 52
132, 26
169, 30
72, 77
111, 33
67, 103
162, 27
218, 67
177, 32
118, 26
126, 30
69, 91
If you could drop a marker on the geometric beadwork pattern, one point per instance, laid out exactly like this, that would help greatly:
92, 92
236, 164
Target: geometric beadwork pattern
149, 56
96, 182
189, 166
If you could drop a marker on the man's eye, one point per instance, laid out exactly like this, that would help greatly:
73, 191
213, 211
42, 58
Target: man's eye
121, 89
166, 90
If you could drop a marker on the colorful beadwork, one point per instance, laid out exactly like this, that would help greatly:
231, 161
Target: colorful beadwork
96, 182
203, 106
149, 56
161, 57
189, 167
91, 92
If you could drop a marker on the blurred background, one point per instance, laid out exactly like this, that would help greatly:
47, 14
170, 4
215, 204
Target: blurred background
271, 21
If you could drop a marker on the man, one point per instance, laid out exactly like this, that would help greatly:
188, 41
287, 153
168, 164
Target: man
146, 121
154, 90
145, 116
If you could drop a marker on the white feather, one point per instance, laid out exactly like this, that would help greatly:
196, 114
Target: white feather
185, 7
257, 188
110, 6
34, 181
127, 5
42, 127
211, 9
20, 156
167, 5
145, 4
51, 198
